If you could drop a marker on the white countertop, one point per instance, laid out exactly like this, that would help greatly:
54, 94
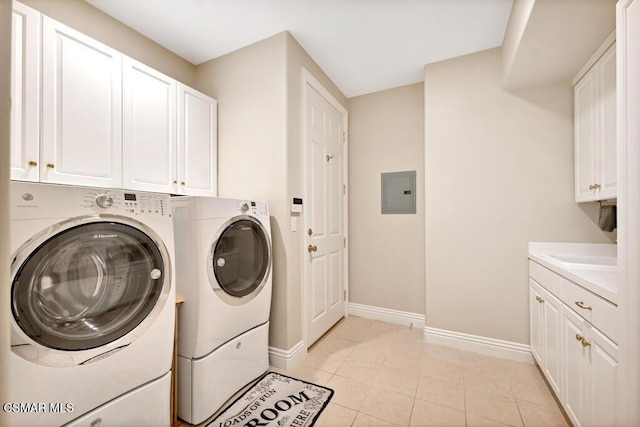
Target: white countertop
590, 265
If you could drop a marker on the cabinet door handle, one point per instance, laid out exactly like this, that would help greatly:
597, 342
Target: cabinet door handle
585, 343
50, 166
594, 186
540, 300
312, 248
32, 163
183, 183
579, 337
581, 305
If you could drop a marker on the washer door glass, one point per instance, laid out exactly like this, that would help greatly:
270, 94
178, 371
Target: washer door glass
87, 286
241, 258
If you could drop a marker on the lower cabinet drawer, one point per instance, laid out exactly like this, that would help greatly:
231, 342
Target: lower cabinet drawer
597, 311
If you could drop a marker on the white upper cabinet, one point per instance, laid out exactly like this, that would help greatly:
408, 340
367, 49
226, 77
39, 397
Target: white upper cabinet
25, 94
84, 114
197, 143
595, 127
149, 129
81, 109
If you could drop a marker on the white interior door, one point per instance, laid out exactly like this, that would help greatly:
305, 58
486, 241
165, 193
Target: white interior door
324, 213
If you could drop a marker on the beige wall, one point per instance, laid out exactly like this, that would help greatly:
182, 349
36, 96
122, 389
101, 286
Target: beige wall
498, 173
386, 252
259, 154
91, 21
249, 85
5, 122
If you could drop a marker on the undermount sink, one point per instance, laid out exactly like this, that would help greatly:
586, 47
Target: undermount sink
587, 260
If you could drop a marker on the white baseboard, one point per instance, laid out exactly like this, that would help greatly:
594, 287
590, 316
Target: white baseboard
387, 315
479, 344
287, 359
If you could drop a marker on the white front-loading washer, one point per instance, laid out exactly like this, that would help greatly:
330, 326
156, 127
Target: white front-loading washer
223, 274
93, 306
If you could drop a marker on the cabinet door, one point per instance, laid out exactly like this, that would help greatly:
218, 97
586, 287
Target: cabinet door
552, 321
602, 390
536, 331
149, 150
575, 369
197, 143
81, 109
607, 178
25, 93
585, 137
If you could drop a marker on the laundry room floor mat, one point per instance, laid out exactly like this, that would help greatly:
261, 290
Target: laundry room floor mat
276, 400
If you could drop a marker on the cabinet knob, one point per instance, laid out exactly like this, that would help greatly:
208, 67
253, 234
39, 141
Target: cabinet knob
585, 343
540, 300
32, 163
50, 166
579, 337
174, 182
183, 183
312, 248
594, 186
581, 305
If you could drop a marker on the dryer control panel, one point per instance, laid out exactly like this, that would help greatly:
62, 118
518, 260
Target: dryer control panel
247, 207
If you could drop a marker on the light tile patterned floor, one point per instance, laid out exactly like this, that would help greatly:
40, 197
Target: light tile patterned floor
385, 375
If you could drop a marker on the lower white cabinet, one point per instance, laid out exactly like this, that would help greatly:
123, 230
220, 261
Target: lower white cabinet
579, 362
590, 373
546, 333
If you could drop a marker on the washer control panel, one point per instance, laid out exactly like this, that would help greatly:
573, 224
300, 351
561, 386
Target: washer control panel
122, 202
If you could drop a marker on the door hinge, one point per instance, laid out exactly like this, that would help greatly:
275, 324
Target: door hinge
344, 188
344, 137
345, 241
344, 294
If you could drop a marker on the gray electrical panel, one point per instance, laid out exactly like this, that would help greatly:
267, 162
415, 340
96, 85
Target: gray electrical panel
399, 192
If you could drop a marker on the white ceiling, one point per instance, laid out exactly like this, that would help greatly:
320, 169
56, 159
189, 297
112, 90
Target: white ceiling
363, 45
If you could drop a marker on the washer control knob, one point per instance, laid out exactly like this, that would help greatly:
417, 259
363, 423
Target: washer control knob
244, 207
104, 201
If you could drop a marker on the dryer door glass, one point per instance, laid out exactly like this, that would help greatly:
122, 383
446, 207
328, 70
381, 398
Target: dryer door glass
87, 286
241, 258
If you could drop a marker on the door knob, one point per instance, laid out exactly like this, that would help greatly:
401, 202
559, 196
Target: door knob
312, 248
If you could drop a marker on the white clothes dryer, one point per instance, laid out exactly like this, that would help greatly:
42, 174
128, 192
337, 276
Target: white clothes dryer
93, 306
223, 273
